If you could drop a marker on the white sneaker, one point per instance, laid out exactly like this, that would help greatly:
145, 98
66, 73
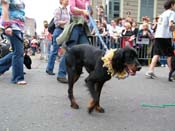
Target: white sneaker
150, 74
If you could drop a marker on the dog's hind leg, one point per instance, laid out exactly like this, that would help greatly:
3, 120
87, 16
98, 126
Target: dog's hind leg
93, 102
72, 78
98, 108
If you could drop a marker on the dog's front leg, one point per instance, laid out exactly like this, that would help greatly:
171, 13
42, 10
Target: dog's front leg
98, 108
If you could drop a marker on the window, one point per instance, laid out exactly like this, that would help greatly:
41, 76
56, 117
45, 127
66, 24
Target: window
116, 8
147, 8
113, 9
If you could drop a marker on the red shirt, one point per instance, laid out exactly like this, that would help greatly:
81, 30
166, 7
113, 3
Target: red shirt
47, 35
81, 4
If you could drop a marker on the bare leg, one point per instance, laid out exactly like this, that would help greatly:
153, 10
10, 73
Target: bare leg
153, 62
169, 62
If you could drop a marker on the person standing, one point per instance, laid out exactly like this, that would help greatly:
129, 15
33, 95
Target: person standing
79, 8
47, 37
12, 19
61, 17
163, 37
34, 45
77, 31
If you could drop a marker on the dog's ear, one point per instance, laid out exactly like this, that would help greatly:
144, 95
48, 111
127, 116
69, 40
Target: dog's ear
118, 60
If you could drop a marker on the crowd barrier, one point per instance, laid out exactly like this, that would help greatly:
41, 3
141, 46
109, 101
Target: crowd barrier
143, 46
45, 46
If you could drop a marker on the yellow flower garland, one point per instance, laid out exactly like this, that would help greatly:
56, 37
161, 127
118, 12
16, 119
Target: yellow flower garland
107, 59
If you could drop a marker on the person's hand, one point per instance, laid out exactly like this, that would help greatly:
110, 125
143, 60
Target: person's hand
66, 21
85, 13
172, 26
145, 32
8, 31
132, 38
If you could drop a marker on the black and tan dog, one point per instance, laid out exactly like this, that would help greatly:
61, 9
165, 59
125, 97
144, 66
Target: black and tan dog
101, 67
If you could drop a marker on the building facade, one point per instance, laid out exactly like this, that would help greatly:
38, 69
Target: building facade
134, 8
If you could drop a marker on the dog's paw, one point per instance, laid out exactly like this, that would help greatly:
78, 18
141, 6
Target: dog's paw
74, 106
90, 110
100, 109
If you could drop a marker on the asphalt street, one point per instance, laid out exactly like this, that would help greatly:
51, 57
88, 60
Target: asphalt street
133, 104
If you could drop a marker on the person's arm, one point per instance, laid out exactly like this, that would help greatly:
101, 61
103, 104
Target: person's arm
5, 17
172, 22
5, 8
172, 26
76, 10
57, 17
150, 35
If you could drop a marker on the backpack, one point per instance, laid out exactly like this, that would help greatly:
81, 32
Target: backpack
51, 26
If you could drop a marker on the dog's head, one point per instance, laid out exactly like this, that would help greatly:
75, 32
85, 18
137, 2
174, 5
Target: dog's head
27, 61
126, 59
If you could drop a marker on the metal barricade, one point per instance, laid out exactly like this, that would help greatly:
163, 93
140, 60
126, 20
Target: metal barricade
110, 42
44, 49
143, 46
144, 49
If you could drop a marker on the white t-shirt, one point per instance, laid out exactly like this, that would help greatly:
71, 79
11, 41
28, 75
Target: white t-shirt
163, 30
115, 29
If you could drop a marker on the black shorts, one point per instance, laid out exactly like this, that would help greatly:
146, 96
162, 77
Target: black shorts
163, 47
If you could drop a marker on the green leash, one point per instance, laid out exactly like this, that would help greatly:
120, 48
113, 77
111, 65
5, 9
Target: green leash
157, 106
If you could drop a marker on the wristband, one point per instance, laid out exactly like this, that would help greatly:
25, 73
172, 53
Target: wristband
7, 24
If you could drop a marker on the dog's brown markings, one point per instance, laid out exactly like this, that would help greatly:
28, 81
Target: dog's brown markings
74, 105
76, 78
91, 105
99, 109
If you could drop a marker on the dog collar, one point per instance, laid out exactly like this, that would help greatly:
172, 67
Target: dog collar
107, 60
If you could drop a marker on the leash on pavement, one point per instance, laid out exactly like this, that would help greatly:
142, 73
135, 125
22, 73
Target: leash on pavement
96, 29
157, 106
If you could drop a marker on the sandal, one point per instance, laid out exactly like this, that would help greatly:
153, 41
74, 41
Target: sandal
21, 83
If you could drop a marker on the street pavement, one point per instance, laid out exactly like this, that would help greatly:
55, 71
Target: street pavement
42, 104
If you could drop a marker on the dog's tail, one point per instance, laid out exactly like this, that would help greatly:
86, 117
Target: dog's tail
67, 45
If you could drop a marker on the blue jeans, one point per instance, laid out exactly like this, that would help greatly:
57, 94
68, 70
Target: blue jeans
53, 55
5, 63
49, 47
33, 50
15, 58
78, 36
62, 68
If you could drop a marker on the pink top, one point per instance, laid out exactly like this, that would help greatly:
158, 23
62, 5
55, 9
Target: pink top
81, 4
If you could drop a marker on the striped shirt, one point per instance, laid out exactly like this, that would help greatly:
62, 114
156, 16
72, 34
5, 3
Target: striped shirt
61, 14
16, 14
